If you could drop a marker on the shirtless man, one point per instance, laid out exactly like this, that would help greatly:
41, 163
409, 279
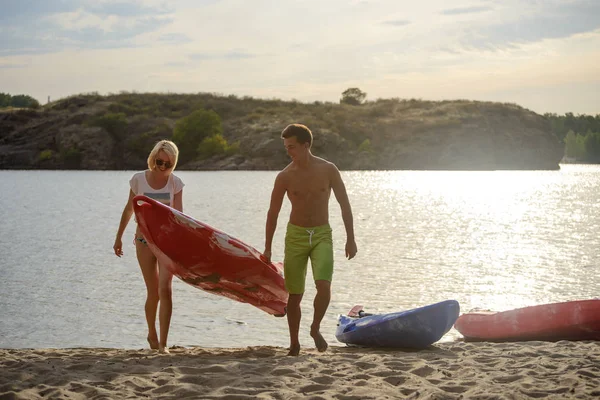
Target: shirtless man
308, 181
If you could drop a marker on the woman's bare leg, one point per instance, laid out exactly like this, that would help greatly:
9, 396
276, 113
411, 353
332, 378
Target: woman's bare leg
149, 269
165, 279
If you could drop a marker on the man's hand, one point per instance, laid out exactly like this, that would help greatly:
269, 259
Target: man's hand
267, 254
351, 249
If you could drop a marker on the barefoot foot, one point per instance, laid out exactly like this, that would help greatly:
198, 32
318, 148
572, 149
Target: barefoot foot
153, 343
320, 341
294, 350
164, 350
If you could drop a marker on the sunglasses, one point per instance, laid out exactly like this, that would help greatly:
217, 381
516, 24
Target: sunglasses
160, 163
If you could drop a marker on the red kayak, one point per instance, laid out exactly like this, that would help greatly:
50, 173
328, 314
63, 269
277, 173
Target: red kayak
209, 259
571, 320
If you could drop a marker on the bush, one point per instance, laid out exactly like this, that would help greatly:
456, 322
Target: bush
216, 145
5, 100
45, 155
353, 96
592, 147
365, 146
18, 101
192, 130
114, 123
72, 158
574, 145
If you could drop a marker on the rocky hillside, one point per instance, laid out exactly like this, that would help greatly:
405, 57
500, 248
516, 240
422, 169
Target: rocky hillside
385, 134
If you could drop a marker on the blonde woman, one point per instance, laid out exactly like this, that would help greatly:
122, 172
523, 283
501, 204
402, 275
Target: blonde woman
157, 182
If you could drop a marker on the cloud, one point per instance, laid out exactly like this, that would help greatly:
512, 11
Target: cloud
174, 38
40, 26
466, 10
7, 66
127, 9
537, 22
307, 50
19, 11
398, 22
232, 55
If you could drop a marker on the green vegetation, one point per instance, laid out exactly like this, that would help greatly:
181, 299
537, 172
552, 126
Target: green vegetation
365, 147
353, 97
18, 101
216, 145
114, 123
583, 147
45, 155
191, 131
72, 158
581, 135
141, 144
117, 131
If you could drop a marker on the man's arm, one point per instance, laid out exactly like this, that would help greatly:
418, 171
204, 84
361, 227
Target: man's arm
339, 190
277, 194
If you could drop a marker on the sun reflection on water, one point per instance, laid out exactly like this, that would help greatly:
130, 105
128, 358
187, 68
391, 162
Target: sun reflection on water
493, 240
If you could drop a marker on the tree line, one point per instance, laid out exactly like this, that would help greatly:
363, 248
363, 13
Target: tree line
580, 134
18, 101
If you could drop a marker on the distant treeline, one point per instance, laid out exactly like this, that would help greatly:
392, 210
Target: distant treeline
18, 101
580, 133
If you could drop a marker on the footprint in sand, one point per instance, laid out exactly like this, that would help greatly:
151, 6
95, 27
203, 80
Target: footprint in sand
454, 389
323, 380
423, 371
314, 388
395, 380
359, 376
214, 368
507, 378
365, 365
283, 371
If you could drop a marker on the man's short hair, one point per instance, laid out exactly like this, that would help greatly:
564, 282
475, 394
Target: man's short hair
301, 132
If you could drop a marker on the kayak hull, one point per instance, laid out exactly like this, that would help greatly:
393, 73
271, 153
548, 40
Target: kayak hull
210, 259
416, 328
572, 320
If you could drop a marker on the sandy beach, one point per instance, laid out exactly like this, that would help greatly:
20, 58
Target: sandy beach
444, 371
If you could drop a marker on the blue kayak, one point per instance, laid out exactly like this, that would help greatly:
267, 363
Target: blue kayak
416, 328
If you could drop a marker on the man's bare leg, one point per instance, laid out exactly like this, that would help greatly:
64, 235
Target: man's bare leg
320, 303
166, 306
149, 269
294, 314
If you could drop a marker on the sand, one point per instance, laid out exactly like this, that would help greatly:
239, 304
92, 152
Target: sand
444, 371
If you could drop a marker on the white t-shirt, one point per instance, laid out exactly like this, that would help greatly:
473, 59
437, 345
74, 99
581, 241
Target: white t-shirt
139, 185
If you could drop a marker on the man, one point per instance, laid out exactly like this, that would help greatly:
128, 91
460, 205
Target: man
308, 181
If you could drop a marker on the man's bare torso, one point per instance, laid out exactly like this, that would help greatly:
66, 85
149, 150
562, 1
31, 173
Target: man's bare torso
309, 189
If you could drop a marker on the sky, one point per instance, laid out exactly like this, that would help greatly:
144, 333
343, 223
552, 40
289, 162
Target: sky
541, 54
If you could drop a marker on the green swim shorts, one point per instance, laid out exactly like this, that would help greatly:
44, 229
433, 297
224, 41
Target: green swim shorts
300, 244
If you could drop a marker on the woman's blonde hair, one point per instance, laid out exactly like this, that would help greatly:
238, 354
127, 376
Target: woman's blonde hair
168, 147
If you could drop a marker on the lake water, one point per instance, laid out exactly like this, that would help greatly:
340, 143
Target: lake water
492, 240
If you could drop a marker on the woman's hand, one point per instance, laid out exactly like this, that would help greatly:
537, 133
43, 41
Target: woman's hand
267, 255
118, 247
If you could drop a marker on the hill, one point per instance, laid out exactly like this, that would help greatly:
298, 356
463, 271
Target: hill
385, 134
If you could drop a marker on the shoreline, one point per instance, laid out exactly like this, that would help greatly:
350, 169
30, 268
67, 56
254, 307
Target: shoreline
448, 370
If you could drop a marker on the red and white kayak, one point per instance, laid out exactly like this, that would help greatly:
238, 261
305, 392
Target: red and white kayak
571, 320
209, 259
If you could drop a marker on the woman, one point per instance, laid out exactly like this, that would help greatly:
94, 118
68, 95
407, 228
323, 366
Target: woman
157, 182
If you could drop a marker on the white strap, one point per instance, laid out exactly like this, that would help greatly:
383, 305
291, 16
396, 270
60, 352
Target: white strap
310, 232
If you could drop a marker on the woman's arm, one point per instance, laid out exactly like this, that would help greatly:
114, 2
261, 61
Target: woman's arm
178, 201
125, 217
